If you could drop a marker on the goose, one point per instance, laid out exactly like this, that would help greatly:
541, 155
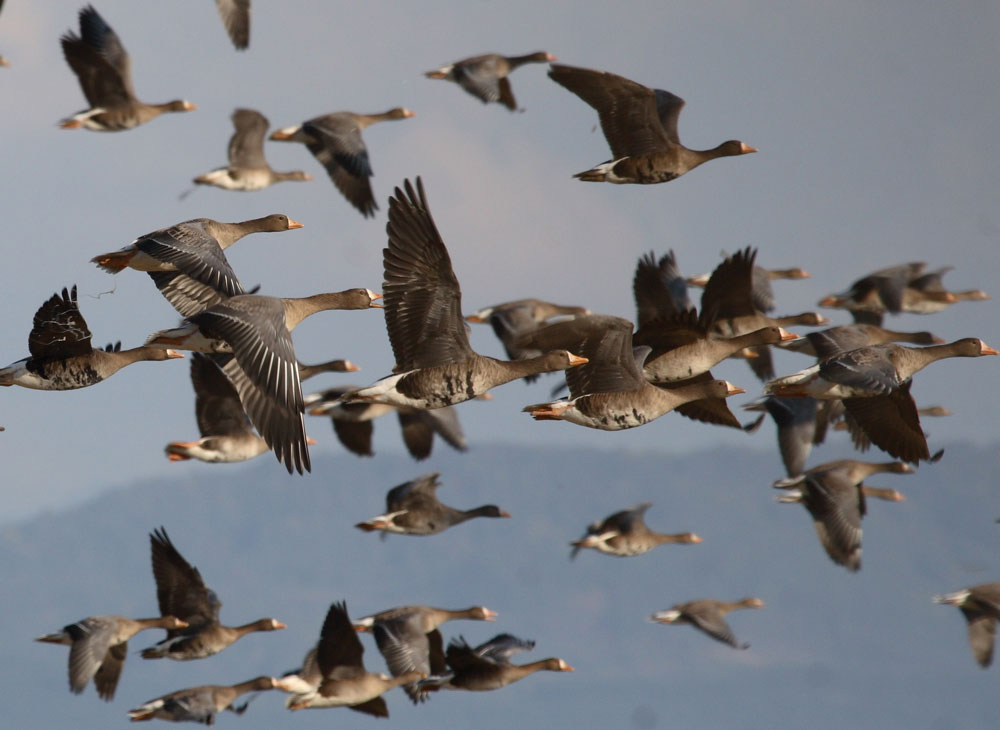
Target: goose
409, 640
335, 141
981, 607
435, 364
235, 16
247, 168
485, 76
181, 592
257, 331
513, 320
200, 704
874, 383
352, 422
856, 471
345, 682
186, 260
871, 371
99, 646
62, 357
609, 392
836, 502
625, 533
902, 288
824, 344
412, 508
487, 666
707, 615
104, 69
226, 433
640, 125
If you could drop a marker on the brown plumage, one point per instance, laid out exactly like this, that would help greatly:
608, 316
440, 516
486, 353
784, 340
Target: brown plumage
345, 681
186, 260
99, 646
609, 392
625, 533
485, 76
435, 364
247, 168
200, 704
413, 508
707, 615
257, 331
62, 357
981, 607
335, 141
181, 592
487, 666
104, 70
409, 640
640, 125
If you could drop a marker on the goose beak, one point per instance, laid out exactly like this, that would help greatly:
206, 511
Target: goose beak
292, 225
504, 513
733, 389
311, 441
575, 360
474, 318
987, 350
173, 354
745, 148
786, 335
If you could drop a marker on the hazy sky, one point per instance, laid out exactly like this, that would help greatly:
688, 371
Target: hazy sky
876, 129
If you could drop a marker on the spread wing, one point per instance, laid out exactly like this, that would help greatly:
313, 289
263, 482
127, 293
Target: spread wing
335, 142
423, 301
236, 17
180, 590
635, 119
59, 330
246, 146
99, 61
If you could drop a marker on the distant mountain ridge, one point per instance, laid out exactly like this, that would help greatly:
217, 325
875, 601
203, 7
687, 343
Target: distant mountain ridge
287, 549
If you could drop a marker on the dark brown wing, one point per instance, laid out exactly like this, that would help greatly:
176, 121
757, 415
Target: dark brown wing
611, 365
336, 143
729, 291
706, 410
659, 288
236, 17
892, 423
706, 616
836, 505
180, 590
59, 330
418, 435
356, 436
423, 488
106, 678
375, 707
339, 645
99, 61
635, 119
866, 368
217, 405
423, 301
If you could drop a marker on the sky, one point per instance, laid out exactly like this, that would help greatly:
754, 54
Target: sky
875, 125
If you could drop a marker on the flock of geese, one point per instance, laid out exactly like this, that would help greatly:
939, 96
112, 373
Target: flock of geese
619, 375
